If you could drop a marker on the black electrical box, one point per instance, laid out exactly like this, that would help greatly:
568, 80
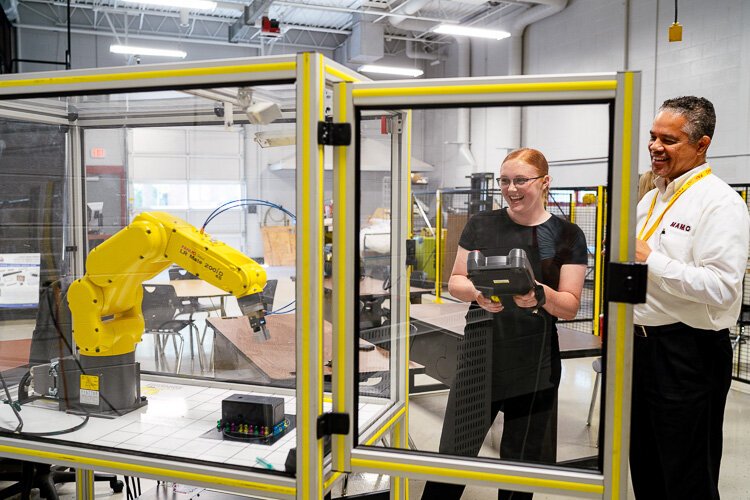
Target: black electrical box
246, 409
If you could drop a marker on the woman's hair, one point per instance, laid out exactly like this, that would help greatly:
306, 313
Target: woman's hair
536, 159
645, 183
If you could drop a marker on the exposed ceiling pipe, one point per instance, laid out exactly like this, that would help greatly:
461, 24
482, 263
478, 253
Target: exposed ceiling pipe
409, 7
463, 118
414, 25
518, 25
413, 52
11, 9
516, 28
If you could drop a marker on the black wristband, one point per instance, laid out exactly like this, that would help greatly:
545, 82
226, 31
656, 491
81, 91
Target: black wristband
541, 298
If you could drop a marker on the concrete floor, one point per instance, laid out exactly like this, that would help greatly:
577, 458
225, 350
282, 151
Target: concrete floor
575, 439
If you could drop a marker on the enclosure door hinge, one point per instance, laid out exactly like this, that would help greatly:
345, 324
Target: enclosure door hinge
627, 282
333, 423
334, 134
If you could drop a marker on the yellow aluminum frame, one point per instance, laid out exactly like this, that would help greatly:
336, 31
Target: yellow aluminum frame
621, 91
312, 73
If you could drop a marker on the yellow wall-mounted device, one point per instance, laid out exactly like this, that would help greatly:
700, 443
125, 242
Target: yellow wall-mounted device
675, 32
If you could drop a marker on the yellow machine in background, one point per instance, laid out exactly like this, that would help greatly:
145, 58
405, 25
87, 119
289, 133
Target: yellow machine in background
108, 321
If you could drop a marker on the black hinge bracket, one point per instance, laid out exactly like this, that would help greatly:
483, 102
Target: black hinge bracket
626, 282
333, 423
411, 252
334, 134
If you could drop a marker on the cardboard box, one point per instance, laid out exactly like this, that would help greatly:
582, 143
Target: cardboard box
279, 245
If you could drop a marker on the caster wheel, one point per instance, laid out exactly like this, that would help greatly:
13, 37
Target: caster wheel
117, 486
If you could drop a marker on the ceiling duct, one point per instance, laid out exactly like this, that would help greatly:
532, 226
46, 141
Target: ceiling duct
365, 45
518, 24
517, 27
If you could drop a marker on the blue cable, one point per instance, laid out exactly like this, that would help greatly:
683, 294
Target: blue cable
244, 202
280, 309
248, 202
235, 201
280, 313
240, 203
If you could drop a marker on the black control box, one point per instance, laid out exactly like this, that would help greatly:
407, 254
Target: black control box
500, 275
246, 409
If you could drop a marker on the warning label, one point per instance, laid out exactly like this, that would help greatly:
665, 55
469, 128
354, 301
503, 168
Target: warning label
90, 382
89, 393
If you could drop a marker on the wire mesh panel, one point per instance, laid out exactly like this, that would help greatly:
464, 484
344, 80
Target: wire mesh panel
741, 333
578, 205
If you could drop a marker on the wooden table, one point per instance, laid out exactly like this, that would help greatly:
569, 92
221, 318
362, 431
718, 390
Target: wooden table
372, 295
373, 287
196, 288
274, 361
14, 353
438, 328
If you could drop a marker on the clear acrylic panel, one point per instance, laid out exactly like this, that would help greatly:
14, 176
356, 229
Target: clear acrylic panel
517, 380
177, 336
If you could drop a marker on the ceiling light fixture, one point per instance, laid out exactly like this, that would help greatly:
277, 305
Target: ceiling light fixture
455, 29
182, 4
391, 70
146, 51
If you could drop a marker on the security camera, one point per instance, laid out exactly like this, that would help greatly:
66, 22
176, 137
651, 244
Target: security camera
219, 109
258, 112
263, 112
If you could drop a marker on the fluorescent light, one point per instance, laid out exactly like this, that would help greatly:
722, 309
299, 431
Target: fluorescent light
391, 70
179, 4
454, 29
146, 51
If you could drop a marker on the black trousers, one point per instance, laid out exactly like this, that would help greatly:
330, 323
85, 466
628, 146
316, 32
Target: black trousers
681, 377
529, 434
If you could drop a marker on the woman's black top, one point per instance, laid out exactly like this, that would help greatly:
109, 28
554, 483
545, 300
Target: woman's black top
525, 350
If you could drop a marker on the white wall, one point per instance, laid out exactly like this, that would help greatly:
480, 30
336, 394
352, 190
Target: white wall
713, 61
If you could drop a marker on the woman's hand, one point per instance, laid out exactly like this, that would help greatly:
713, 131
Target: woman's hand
527, 300
487, 304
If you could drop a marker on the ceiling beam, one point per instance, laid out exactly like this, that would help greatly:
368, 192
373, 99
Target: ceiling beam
169, 39
250, 14
348, 10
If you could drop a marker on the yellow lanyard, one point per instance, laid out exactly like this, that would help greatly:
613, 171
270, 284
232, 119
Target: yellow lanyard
679, 192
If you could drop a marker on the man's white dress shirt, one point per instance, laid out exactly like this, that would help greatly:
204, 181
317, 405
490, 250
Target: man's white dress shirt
699, 254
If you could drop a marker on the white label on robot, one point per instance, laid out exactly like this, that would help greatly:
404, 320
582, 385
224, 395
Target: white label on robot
89, 397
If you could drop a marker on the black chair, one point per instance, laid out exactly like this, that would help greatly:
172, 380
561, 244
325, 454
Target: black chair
191, 306
597, 366
26, 476
52, 338
160, 306
742, 322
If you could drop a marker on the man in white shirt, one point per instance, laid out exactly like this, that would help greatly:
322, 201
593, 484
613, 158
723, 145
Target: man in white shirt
693, 232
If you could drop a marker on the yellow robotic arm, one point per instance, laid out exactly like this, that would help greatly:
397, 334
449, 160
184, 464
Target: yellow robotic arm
106, 302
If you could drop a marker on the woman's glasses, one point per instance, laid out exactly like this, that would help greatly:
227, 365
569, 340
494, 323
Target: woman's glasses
517, 181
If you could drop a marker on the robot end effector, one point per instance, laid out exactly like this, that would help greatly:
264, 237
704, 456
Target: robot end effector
253, 307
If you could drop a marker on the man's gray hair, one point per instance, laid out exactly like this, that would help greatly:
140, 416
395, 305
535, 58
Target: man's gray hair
699, 112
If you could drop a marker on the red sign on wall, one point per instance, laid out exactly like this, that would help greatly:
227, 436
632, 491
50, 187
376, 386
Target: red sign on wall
98, 153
